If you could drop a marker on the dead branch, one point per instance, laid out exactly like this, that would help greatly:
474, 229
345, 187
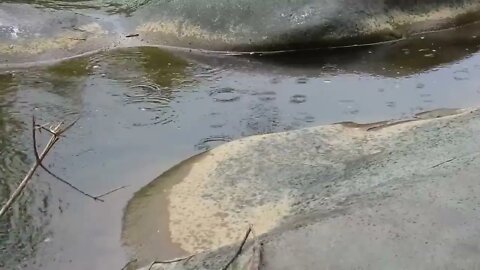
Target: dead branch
132, 35
255, 262
56, 133
51, 142
444, 162
128, 264
170, 261
239, 250
110, 192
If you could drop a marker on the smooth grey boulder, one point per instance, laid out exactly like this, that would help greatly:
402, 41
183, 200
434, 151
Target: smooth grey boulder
32, 34
381, 196
272, 25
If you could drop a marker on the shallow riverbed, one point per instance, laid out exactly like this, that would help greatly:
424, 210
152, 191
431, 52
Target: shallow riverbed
143, 110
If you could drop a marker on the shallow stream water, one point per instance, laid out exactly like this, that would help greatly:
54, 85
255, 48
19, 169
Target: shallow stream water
143, 110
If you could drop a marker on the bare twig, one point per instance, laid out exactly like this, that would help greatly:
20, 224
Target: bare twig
132, 35
170, 261
128, 264
44, 127
239, 250
39, 162
60, 132
446, 161
255, 262
110, 192
51, 142
56, 132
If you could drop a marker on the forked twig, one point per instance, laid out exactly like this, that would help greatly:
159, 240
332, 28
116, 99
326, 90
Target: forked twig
56, 132
51, 142
239, 250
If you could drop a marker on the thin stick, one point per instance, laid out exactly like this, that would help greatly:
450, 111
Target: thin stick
51, 142
446, 161
60, 132
255, 262
44, 127
128, 264
56, 132
239, 250
110, 192
40, 164
170, 261
95, 198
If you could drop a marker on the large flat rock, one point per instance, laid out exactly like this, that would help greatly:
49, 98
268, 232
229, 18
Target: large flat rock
250, 25
31, 33
345, 196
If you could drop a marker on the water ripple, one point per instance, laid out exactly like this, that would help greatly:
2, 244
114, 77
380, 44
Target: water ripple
226, 94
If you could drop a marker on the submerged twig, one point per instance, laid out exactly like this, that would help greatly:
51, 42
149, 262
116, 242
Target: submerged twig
56, 133
110, 192
51, 142
239, 250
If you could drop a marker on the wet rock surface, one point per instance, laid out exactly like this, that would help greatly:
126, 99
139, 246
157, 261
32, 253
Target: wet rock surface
51, 32
344, 197
162, 106
247, 25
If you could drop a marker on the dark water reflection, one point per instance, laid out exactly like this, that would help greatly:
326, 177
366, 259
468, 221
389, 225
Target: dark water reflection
144, 109
418, 54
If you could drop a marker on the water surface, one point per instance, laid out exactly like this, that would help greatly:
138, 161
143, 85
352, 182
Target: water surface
143, 110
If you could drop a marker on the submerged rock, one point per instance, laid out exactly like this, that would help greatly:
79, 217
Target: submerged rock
344, 196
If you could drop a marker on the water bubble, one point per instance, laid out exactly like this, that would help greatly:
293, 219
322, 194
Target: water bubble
461, 75
420, 85
305, 117
274, 80
226, 94
391, 104
265, 96
346, 101
298, 99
